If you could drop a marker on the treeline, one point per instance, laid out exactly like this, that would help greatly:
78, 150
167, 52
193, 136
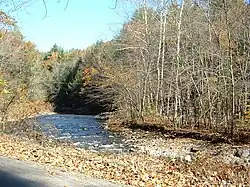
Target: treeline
184, 62
66, 82
18, 61
33, 82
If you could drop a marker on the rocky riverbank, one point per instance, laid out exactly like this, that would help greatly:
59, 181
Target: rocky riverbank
189, 149
155, 159
174, 146
142, 168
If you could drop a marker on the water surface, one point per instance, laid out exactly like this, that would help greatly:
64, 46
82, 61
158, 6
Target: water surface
84, 131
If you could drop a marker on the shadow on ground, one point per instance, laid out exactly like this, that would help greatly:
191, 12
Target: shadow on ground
194, 134
9, 180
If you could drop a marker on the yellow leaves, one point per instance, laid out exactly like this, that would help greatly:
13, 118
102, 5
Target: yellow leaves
88, 75
2, 82
3, 90
90, 71
226, 43
247, 115
6, 19
54, 55
1, 35
29, 45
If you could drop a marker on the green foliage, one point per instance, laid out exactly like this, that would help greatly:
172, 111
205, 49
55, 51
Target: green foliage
166, 61
55, 50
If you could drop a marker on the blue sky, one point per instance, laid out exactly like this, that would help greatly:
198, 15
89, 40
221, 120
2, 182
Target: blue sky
82, 23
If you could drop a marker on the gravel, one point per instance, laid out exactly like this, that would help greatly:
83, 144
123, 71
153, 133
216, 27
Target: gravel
186, 149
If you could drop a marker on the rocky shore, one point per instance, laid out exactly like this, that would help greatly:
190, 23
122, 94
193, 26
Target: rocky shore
188, 149
154, 159
184, 149
148, 167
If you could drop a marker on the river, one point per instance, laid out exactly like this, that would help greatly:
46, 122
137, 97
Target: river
84, 131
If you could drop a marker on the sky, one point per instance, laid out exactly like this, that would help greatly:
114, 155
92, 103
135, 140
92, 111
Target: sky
81, 24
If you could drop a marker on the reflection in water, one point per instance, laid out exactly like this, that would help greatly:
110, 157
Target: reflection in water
85, 131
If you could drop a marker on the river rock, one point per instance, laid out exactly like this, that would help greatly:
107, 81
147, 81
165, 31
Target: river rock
132, 150
194, 149
242, 153
214, 152
188, 158
245, 153
238, 153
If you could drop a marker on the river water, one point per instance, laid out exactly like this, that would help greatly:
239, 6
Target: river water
84, 131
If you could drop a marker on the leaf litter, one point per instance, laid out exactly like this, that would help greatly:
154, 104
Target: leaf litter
127, 168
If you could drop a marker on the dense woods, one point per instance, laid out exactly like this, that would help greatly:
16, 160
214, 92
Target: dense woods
185, 63
182, 64
173, 86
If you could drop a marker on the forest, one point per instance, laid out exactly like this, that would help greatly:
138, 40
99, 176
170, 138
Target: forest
180, 66
175, 77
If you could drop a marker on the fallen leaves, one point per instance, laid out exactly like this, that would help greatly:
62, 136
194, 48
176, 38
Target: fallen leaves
130, 169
